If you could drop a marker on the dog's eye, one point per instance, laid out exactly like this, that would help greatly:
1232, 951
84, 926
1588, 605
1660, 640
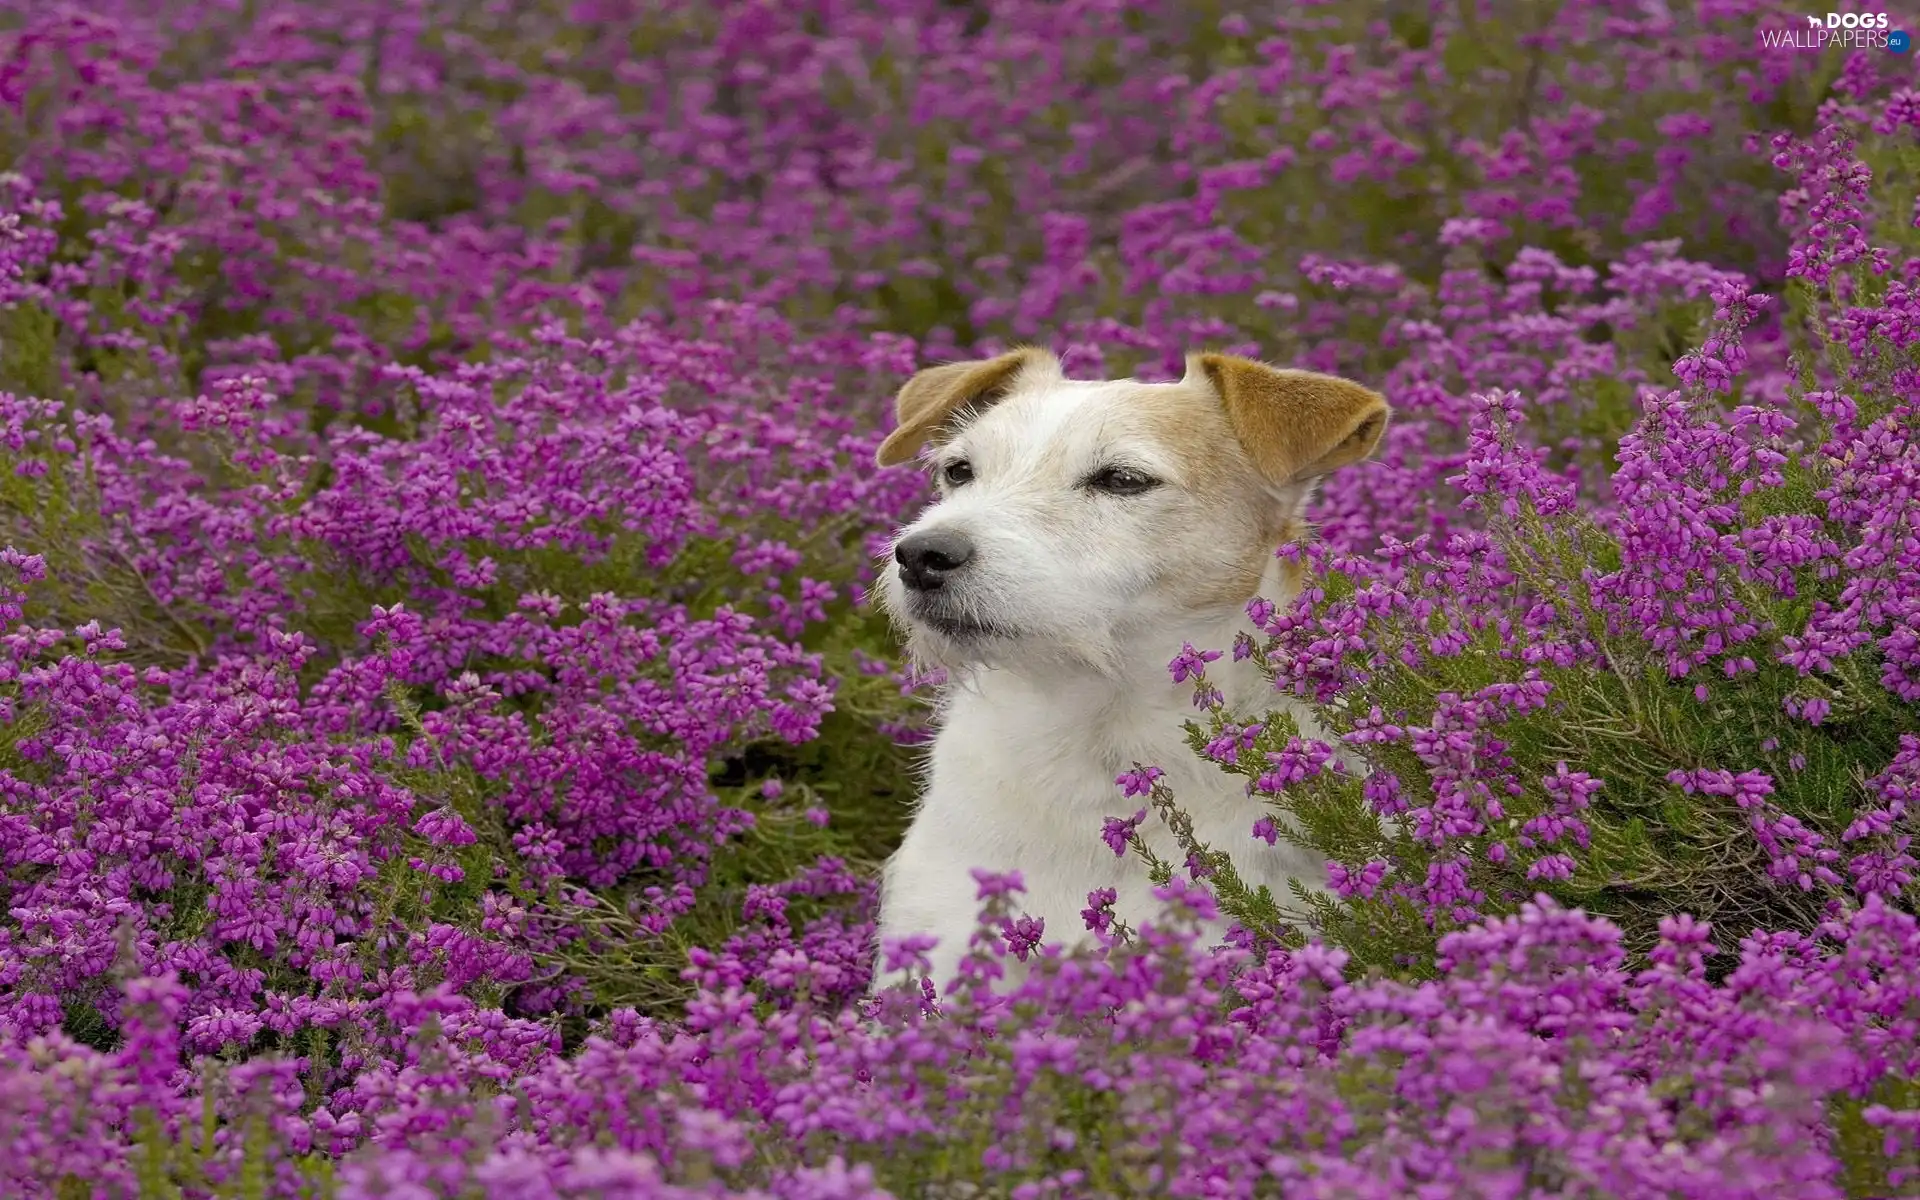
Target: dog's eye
1121, 481
958, 473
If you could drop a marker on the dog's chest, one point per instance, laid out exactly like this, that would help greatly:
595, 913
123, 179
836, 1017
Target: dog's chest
1026, 781
1066, 750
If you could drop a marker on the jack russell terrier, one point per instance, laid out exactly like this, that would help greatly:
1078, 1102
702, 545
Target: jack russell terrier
1083, 531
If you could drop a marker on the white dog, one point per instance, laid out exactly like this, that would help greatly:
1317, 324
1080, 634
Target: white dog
1083, 532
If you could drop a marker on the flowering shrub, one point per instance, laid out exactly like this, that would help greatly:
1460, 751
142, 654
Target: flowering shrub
1537, 1059
445, 751
1728, 632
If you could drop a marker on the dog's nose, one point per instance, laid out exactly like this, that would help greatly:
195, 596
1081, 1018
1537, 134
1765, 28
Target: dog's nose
927, 558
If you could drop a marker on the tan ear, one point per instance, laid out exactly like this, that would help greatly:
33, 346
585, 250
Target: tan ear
931, 398
1295, 425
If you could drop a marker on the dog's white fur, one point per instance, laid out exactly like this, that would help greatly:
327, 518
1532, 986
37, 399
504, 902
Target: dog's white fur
1058, 633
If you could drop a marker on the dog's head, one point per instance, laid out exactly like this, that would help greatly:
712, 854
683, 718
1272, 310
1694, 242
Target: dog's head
1074, 517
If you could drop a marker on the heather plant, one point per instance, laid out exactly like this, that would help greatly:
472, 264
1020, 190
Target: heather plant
1535, 1060
933, 164
500, 683
1725, 634
444, 750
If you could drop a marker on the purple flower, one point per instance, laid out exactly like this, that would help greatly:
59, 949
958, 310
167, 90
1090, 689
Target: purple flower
1022, 935
1118, 832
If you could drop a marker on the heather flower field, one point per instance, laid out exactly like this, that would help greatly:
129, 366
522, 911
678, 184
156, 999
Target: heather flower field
446, 751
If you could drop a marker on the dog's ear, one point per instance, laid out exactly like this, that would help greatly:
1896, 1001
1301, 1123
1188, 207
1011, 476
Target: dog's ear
934, 396
1294, 425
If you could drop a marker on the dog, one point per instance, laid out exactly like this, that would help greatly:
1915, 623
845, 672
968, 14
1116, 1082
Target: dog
1082, 533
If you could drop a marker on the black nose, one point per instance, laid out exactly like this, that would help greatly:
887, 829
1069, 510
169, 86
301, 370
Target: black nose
926, 559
